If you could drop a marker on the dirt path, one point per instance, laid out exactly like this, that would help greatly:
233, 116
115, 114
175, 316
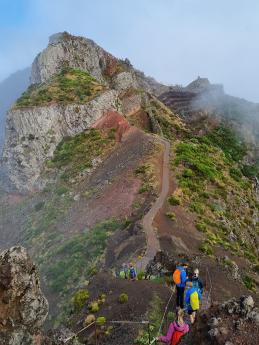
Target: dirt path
153, 244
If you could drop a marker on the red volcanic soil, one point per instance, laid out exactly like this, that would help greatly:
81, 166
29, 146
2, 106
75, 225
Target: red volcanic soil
112, 119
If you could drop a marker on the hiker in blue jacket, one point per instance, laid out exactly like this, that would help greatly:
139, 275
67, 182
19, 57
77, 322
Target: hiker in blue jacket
180, 277
132, 272
192, 300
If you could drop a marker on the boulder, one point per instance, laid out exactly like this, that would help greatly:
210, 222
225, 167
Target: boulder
23, 308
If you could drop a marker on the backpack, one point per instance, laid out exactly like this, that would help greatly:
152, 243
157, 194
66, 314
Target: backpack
177, 276
132, 273
176, 337
194, 301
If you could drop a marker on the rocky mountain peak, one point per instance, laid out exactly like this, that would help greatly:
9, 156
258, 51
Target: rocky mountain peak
200, 85
23, 308
71, 51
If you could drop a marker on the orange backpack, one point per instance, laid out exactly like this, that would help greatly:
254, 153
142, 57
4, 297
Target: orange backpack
177, 276
176, 337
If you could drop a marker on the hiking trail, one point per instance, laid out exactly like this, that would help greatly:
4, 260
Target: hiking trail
153, 245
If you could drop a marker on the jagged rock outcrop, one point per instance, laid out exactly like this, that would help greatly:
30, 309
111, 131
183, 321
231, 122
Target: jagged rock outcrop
23, 308
32, 134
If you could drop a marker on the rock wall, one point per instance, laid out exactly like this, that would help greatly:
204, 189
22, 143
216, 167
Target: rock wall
23, 308
32, 134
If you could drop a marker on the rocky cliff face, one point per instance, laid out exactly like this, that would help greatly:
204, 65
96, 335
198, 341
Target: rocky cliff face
32, 134
23, 308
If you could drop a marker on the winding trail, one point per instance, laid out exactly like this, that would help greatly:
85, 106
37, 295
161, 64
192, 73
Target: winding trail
153, 245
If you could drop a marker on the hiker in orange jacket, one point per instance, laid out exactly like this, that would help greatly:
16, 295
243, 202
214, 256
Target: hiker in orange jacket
175, 331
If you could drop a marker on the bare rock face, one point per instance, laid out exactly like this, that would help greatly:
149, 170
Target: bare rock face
23, 308
32, 134
76, 52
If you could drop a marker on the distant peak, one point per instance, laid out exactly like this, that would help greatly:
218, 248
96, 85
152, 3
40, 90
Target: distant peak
203, 84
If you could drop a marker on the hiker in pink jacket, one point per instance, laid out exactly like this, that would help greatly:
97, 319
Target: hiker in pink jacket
176, 326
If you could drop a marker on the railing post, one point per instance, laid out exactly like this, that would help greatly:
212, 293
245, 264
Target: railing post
95, 331
149, 335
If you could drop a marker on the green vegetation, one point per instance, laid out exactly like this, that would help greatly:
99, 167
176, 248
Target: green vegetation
164, 121
69, 86
123, 298
94, 307
141, 275
79, 299
100, 321
75, 154
155, 315
171, 215
174, 200
214, 187
77, 257
171, 316
89, 319
145, 173
249, 283
225, 139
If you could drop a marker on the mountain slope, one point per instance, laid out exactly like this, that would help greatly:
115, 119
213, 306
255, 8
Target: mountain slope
86, 148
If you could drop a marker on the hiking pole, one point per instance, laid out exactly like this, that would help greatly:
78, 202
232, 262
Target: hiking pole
149, 336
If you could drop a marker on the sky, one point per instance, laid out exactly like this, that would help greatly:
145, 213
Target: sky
171, 40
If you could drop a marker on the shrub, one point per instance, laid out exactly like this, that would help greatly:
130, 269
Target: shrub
100, 321
141, 275
39, 206
171, 316
201, 227
123, 298
188, 173
206, 248
174, 200
94, 307
79, 299
144, 188
235, 174
197, 207
89, 319
171, 215
109, 330
249, 283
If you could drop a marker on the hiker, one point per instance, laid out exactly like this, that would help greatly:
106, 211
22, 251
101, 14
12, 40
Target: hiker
176, 330
179, 278
125, 270
196, 282
132, 272
192, 300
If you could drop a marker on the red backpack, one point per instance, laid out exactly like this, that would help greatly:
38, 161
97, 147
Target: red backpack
176, 337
